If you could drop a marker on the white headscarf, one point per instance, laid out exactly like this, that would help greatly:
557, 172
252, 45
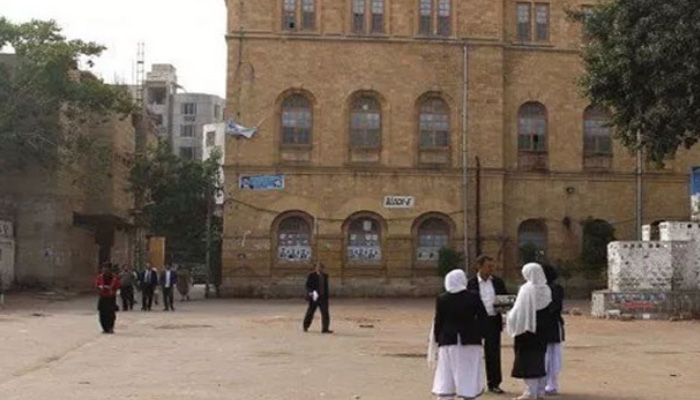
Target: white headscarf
533, 296
455, 282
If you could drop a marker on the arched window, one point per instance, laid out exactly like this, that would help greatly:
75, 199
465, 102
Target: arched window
296, 121
433, 234
365, 124
532, 241
294, 240
364, 241
532, 136
597, 141
434, 124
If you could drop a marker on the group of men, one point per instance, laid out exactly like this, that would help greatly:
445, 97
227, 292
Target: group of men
147, 281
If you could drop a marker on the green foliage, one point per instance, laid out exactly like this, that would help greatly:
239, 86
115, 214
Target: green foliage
175, 193
642, 61
597, 234
449, 260
44, 100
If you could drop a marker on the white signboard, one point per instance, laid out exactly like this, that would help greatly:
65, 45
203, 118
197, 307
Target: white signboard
399, 202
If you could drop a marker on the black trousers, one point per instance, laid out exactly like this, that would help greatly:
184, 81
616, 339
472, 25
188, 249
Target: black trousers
146, 298
107, 306
168, 298
322, 303
492, 350
127, 294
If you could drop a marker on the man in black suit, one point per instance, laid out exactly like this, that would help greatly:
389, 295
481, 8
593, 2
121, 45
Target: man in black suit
168, 280
489, 286
148, 281
317, 295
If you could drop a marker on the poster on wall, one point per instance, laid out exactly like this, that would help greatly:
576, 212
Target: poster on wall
695, 194
261, 182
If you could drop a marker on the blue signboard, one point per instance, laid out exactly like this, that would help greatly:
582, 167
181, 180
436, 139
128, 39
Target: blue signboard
261, 182
695, 193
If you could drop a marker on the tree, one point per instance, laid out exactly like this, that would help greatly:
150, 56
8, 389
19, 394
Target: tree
177, 194
642, 61
44, 99
448, 260
597, 234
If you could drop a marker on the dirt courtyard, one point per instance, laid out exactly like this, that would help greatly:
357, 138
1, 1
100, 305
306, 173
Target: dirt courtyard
250, 349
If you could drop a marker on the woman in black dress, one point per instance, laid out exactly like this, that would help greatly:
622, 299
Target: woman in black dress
528, 323
555, 333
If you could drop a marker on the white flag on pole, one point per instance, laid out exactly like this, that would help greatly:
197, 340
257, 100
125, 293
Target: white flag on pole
235, 129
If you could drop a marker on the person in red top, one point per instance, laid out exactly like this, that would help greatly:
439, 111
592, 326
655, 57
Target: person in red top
107, 284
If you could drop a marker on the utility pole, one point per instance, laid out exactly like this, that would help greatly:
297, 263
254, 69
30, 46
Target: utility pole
207, 254
639, 203
465, 159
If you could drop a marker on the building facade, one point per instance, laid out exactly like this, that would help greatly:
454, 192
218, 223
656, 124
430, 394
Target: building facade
357, 161
192, 112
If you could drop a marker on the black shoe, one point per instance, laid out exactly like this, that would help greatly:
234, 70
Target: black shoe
496, 390
328, 332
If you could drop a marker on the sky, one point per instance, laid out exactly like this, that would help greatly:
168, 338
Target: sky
189, 35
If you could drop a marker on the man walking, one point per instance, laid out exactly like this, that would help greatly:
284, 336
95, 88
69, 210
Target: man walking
489, 286
127, 280
317, 295
168, 280
149, 281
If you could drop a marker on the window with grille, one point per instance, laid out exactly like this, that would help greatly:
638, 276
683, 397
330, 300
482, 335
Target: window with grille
434, 124
433, 235
532, 241
524, 26
377, 16
211, 138
189, 108
597, 140
308, 13
444, 23
289, 15
365, 124
425, 23
358, 16
187, 130
187, 153
294, 240
542, 22
364, 241
296, 120
532, 128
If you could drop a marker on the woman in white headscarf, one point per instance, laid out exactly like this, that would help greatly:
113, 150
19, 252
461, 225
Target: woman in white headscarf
457, 331
528, 323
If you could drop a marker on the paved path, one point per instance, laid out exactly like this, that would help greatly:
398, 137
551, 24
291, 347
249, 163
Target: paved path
243, 349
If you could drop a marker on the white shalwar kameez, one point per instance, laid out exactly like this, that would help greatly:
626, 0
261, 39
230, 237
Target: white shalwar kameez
553, 364
460, 369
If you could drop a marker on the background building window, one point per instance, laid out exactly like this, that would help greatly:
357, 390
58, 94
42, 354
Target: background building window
434, 124
377, 16
542, 22
309, 14
294, 240
524, 26
433, 234
217, 112
597, 140
189, 108
364, 241
358, 16
187, 130
425, 24
296, 120
444, 23
365, 124
211, 138
532, 128
532, 241
289, 15
187, 153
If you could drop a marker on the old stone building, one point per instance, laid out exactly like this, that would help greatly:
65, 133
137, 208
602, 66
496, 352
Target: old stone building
356, 101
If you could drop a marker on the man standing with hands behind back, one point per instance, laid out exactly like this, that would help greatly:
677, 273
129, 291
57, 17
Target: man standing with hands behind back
317, 294
489, 286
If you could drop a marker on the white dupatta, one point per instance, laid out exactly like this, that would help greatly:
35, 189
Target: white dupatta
533, 296
455, 282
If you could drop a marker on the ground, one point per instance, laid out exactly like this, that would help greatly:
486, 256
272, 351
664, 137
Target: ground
255, 349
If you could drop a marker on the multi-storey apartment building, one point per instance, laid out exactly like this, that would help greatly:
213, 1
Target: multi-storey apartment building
357, 161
